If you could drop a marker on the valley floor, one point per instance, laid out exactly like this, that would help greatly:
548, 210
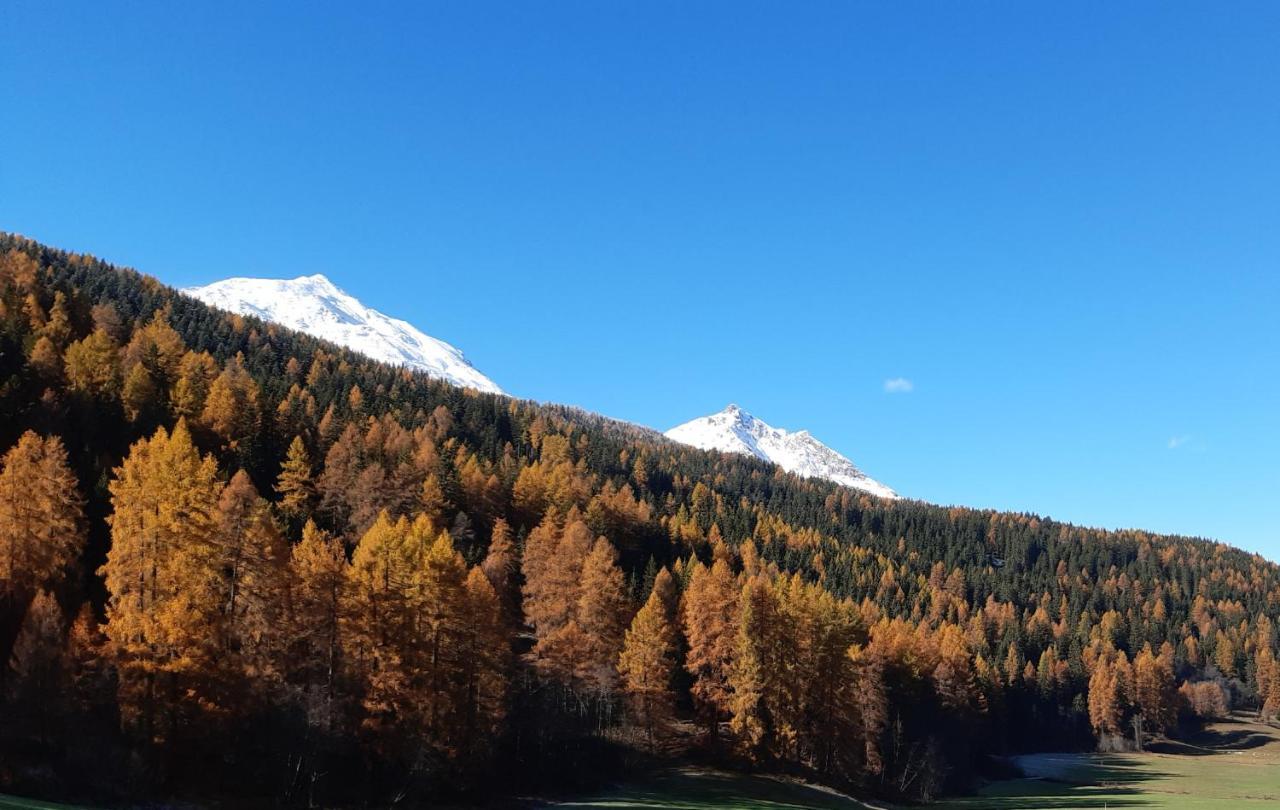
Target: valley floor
701, 789
1232, 764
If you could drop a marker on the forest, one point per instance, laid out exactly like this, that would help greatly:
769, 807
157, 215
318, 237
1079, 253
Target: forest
239, 563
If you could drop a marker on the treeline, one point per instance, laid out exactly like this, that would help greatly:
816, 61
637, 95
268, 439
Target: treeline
235, 555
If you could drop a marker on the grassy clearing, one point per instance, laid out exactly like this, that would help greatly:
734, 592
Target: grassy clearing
696, 789
1233, 764
16, 803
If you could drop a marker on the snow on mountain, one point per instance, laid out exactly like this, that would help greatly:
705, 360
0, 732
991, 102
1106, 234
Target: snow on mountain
312, 304
733, 430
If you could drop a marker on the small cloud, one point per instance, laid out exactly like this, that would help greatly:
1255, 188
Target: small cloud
898, 385
1178, 441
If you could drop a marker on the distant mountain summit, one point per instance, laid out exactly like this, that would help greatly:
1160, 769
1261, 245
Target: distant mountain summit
733, 430
314, 305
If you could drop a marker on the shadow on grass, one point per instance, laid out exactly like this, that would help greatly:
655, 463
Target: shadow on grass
708, 790
1090, 769
1063, 781
1040, 794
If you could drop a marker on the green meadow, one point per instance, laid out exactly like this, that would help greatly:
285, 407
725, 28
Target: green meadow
1234, 764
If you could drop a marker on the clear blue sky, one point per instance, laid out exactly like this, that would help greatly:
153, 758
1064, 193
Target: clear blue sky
1060, 222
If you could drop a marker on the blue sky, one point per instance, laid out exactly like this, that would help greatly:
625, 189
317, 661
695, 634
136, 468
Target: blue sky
1060, 223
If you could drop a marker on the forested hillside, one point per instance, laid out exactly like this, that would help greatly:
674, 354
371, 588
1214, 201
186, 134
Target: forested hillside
238, 561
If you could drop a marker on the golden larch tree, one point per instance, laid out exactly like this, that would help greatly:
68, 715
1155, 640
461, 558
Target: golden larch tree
647, 665
710, 625
163, 575
41, 517
603, 611
295, 485
485, 655
317, 577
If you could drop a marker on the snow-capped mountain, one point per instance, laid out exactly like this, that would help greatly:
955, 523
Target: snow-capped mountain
733, 430
312, 304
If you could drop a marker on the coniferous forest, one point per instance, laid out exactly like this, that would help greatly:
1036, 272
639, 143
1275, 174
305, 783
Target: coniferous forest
241, 564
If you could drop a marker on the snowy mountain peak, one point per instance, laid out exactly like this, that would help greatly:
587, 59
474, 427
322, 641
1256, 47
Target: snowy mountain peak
733, 430
315, 305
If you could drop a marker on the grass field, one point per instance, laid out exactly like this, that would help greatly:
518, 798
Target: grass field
694, 789
15, 803
1232, 764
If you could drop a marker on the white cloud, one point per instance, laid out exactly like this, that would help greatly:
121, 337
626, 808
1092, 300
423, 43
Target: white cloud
1178, 441
898, 385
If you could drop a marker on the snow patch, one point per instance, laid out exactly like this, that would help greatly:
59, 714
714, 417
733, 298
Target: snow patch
733, 430
314, 305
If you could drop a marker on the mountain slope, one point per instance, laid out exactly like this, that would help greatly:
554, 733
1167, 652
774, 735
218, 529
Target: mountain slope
314, 305
733, 430
898, 577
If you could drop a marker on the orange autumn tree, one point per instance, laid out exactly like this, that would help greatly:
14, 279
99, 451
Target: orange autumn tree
501, 566
295, 485
710, 625
163, 576
252, 557
1155, 694
377, 617
36, 665
438, 639
317, 578
41, 519
485, 658
92, 367
603, 612
552, 567
647, 665
231, 407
